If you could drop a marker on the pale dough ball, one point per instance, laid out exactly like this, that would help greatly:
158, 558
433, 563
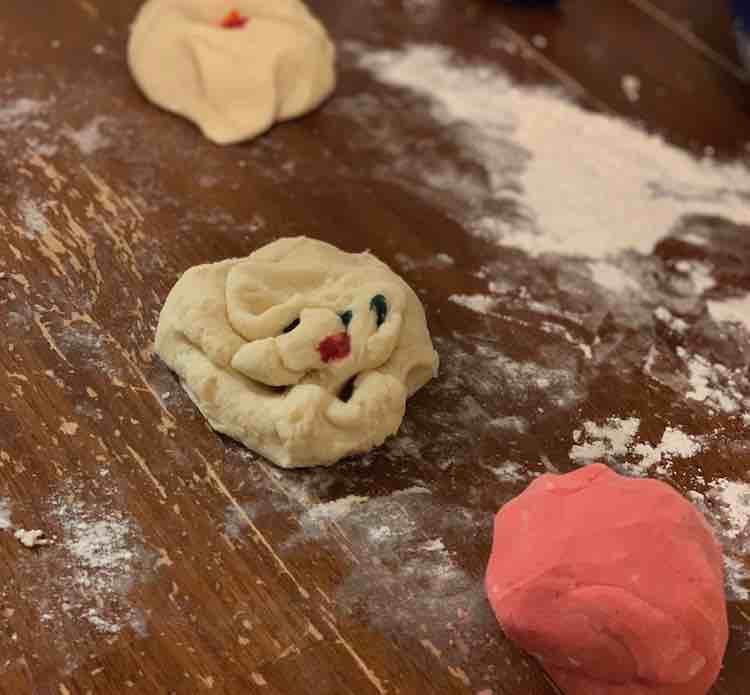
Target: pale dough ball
234, 67
302, 352
614, 584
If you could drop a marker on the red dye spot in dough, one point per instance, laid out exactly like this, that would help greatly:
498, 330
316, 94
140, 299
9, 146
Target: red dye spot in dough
233, 20
335, 347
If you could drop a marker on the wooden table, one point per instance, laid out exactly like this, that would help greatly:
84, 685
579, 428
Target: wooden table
183, 563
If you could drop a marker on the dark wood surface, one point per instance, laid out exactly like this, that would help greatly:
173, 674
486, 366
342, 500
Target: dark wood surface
230, 578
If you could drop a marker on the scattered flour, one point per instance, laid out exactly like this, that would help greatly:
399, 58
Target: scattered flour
615, 442
611, 277
712, 384
102, 557
694, 239
33, 217
699, 274
433, 546
479, 303
5, 522
438, 261
736, 577
90, 137
332, 511
731, 310
16, 113
32, 538
525, 381
726, 504
99, 545
396, 559
511, 423
235, 521
412, 490
624, 189
609, 441
734, 499
665, 316
674, 444
68, 427
510, 472
631, 87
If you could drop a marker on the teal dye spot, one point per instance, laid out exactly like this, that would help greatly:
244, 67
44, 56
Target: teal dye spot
346, 317
292, 326
380, 307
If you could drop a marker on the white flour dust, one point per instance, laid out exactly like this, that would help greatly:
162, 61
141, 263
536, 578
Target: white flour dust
436, 262
480, 303
675, 323
405, 570
32, 538
612, 278
726, 503
609, 441
615, 442
713, 384
102, 555
735, 310
87, 574
631, 87
734, 498
512, 472
700, 274
397, 559
34, 219
5, 522
584, 184
674, 444
15, 113
90, 137
332, 511
737, 578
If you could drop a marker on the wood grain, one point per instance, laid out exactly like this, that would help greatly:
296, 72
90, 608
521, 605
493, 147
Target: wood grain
228, 579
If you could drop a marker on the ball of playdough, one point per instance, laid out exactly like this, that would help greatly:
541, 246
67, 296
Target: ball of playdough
234, 67
614, 584
301, 351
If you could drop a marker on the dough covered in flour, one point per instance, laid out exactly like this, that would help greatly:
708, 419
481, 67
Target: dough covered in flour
302, 352
614, 584
234, 67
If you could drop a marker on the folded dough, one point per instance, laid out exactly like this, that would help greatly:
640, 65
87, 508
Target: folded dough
234, 67
303, 352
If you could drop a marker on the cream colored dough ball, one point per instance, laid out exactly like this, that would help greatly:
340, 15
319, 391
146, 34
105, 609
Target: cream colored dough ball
302, 352
233, 67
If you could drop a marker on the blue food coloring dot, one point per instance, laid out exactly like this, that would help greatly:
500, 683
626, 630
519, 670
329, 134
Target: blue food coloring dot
346, 317
292, 326
380, 307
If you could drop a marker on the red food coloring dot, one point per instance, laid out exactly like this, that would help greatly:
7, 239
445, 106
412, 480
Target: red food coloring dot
233, 20
335, 347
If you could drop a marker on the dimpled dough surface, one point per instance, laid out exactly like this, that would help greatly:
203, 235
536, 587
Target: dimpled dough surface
233, 67
614, 584
302, 352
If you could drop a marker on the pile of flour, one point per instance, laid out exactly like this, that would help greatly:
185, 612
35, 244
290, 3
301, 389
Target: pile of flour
585, 184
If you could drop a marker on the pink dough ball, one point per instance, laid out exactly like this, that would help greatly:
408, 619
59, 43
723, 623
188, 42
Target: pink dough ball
614, 584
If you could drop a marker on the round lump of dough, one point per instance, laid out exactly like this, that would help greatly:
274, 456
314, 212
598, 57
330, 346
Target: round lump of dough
302, 352
233, 67
614, 584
